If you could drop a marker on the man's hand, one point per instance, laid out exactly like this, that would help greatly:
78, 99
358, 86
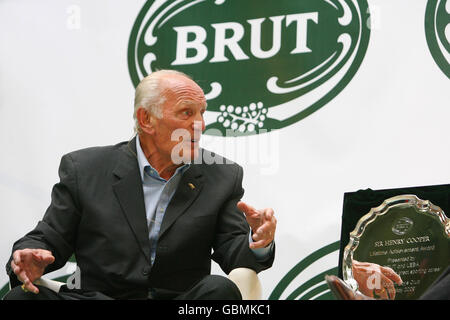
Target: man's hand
29, 265
375, 280
262, 222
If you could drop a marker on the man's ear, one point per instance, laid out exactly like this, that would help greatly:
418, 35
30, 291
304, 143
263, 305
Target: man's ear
145, 120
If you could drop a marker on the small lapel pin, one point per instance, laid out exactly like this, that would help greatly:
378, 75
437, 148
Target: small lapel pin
191, 186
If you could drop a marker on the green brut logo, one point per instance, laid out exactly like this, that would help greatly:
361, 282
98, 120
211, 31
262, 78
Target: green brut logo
437, 31
263, 64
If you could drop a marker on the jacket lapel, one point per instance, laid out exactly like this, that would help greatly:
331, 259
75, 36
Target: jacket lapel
128, 190
188, 190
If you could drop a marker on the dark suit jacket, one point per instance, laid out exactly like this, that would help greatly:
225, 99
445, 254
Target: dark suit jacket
97, 212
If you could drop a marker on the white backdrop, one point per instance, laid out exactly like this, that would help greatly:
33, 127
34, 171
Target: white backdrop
64, 85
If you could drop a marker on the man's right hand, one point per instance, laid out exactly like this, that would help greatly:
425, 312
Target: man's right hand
29, 265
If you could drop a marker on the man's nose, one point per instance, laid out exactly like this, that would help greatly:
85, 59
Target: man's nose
199, 125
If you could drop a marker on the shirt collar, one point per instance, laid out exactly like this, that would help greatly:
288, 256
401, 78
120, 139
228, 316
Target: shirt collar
145, 166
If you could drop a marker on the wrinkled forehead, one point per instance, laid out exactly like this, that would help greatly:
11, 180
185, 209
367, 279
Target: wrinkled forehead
181, 90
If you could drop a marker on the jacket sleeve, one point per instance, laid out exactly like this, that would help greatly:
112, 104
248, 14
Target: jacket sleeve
57, 230
231, 246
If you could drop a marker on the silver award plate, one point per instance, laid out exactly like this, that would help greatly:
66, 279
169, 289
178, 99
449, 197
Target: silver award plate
407, 234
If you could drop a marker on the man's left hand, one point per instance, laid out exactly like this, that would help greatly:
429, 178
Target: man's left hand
262, 222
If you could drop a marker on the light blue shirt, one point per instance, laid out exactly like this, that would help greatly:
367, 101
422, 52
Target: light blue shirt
157, 194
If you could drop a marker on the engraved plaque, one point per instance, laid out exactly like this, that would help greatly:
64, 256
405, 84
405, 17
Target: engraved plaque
407, 234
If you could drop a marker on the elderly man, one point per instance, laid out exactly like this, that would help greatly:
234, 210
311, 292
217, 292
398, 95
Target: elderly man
143, 216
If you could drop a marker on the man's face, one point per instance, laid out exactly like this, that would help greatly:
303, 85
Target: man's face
182, 119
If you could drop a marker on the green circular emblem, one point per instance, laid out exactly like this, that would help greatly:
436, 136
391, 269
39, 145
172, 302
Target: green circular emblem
437, 31
312, 289
263, 65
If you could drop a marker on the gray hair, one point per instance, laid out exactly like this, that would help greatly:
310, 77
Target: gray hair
149, 96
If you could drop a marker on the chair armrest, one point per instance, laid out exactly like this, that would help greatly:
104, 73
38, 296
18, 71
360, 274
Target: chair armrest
50, 284
248, 283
